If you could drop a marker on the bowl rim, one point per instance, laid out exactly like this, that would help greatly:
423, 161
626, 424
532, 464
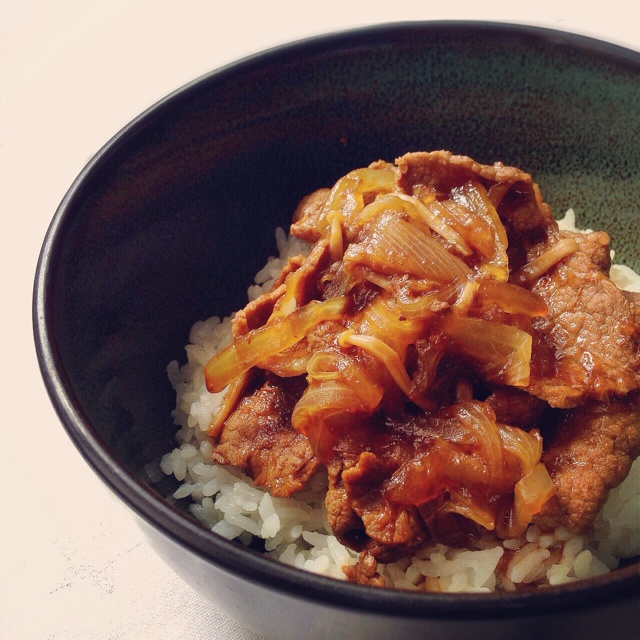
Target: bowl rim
184, 530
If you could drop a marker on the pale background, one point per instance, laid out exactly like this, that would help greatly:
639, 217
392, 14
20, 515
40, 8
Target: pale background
72, 73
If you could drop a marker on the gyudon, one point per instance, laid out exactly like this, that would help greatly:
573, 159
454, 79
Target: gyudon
460, 366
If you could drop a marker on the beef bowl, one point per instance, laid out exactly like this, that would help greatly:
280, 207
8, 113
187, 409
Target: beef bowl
170, 221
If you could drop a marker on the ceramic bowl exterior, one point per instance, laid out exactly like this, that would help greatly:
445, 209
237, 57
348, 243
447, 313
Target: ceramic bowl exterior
171, 219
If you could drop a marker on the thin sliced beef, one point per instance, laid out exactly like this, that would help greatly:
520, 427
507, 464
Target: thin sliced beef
362, 518
298, 279
596, 245
345, 523
441, 171
257, 312
258, 438
306, 215
516, 408
365, 571
588, 345
589, 452
526, 218
387, 523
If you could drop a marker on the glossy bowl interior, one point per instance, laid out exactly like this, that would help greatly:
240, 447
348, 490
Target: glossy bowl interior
171, 219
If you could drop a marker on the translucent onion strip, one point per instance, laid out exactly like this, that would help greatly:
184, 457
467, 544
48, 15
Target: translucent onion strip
435, 215
296, 284
444, 465
511, 298
383, 319
472, 509
501, 352
540, 265
473, 196
251, 348
526, 446
485, 431
347, 197
334, 364
328, 406
393, 245
229, 402
336, 245
530, 495
383, 352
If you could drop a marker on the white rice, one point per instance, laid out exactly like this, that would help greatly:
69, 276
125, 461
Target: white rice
295, 530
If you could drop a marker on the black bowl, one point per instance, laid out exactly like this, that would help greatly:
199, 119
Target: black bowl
170, 220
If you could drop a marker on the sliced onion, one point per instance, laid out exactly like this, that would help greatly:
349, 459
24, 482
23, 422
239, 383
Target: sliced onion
419, 298
336, 244
334, 364
295, 284
474, 417
437, 217
501, 353
530, 495
540, 265
474, 196
384, 203
229, 402
491, 241
383, 319
326, 408
442, 466
290, 362
526, 446
465, 505
250, 349
466, 297
347, 197
511, 298
394, 246
385, 354
322, 366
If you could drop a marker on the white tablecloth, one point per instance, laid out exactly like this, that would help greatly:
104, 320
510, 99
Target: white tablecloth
72, 73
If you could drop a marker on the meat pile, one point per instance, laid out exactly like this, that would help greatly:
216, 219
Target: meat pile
455, 361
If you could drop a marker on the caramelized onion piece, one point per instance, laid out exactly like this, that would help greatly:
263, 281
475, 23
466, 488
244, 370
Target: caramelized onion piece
327, 408
473, 196
438, 219
335, 365
250, 349
511, 298
433, 471
471, 508
349, 194
540, 265
296, 287
466, 297
526, 446
530, 495
392, 245
389, 358
229, 402
501, 353
478, 419
336, 244
383, 319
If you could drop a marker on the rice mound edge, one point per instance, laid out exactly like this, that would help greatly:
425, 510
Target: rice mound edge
295, 530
